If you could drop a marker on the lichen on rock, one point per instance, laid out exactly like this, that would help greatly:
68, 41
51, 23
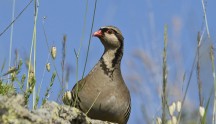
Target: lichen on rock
14, 111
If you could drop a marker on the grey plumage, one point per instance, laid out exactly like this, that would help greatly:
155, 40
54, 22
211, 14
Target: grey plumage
102, 94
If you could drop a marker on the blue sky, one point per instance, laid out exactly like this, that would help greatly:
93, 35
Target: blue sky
142, 23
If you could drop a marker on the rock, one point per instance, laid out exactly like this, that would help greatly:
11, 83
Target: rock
13, 111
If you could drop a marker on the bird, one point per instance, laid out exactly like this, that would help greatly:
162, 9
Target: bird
103, 94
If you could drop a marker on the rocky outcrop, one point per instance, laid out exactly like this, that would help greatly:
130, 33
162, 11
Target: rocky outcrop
13, 111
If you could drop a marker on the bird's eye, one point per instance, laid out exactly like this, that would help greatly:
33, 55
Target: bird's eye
109, 31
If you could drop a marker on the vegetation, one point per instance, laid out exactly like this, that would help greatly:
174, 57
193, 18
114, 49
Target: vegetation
17, 80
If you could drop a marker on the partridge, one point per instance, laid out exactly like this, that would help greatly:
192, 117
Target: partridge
103, 94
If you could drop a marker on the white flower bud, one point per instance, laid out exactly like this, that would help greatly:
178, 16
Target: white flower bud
174, 120
172, 108
67, 98
201, 111
48, 67
178, 105
53, 52
158, 120
169, 122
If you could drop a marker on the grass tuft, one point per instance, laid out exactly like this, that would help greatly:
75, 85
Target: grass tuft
6, 88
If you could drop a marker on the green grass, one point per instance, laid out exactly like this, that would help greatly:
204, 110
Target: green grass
49, 88
6, 88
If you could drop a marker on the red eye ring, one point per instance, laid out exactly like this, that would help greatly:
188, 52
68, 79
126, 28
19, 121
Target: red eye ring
109, 31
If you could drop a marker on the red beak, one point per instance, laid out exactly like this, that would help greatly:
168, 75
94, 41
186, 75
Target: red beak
98, 33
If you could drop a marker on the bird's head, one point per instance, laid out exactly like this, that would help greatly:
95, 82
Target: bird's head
110, 36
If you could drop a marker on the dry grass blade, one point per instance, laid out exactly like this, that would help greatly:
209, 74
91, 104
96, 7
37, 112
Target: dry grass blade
199, 82
15, 18
164, 86
90, 36
93, 103
62, 84
214, 77
205, 17
77, 54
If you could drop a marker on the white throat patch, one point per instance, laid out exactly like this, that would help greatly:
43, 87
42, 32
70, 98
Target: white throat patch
108, 58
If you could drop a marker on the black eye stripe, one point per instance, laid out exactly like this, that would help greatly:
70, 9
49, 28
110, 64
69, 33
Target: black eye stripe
106, 29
